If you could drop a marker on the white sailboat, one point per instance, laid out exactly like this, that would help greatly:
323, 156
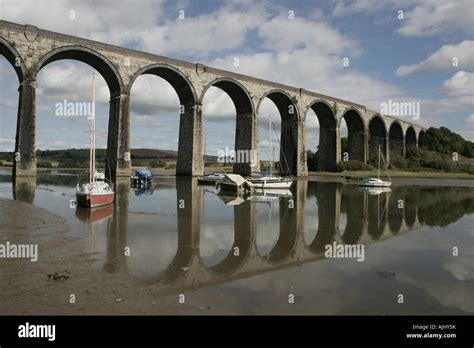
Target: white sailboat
270, 182
377, 182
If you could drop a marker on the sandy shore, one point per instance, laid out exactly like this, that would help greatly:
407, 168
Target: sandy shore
25, 287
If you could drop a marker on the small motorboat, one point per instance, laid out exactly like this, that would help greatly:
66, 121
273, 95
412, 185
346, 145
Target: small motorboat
142, 177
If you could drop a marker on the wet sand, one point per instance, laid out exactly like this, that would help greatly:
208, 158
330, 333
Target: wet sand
26, 289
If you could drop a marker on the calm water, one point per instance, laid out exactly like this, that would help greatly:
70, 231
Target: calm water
244, 256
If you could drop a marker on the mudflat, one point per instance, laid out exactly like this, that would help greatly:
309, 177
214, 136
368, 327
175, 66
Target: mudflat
64, 272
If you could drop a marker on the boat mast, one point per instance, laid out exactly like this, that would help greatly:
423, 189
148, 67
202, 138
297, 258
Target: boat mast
92, 136
379, 165
271, 150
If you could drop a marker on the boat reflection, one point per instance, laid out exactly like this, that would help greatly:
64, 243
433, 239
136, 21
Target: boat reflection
95, 214
373, 191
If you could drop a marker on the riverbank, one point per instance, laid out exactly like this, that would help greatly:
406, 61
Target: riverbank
343, 174
395, 174
64, 269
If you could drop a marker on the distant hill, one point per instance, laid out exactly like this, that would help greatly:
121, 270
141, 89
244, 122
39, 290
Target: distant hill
154, 154
83, 155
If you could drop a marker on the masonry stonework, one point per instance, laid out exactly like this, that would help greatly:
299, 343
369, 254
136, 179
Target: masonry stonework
29, 49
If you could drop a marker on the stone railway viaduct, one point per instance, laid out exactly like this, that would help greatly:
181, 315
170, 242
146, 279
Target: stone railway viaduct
30, 49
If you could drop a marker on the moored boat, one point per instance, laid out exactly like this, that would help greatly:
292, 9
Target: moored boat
210, 179
377, 182
270, 181
96, 192
374, 182
234, 183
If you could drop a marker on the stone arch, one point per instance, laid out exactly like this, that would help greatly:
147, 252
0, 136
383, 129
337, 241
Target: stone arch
395, 140
410, 137
176, 78
87, 56
289, 128
329, 139
355, 134
246, 139
118, 139
283, 102
236, 91
377, 137
188, 113
14, 58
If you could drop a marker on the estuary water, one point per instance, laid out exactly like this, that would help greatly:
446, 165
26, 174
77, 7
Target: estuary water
263, 254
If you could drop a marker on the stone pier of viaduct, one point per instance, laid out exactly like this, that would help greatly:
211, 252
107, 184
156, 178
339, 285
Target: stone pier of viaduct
30, 49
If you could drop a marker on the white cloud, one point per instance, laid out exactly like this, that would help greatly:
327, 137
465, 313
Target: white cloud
437, 17
470, 119
459, 91
461, 84
442, 59
152, 95
218, 106
70, 80
359, 6
421, 17
284, 34
110, 20
223, 29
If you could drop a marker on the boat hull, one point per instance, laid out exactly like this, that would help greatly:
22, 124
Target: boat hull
384, 184
271, 183
277, 185
94, 200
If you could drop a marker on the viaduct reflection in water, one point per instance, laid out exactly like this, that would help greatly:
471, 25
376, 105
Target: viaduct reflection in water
370, 217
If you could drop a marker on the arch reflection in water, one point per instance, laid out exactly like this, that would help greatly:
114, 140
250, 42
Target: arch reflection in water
369, 219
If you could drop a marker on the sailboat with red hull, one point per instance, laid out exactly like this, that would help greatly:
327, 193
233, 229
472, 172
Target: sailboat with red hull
96, 192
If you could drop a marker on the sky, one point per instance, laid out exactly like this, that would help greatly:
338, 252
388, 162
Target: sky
401, 50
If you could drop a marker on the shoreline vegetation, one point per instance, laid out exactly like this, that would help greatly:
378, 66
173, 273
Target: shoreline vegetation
354, 175
441, 154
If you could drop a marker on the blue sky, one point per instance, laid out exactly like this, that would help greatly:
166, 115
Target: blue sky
408, 60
